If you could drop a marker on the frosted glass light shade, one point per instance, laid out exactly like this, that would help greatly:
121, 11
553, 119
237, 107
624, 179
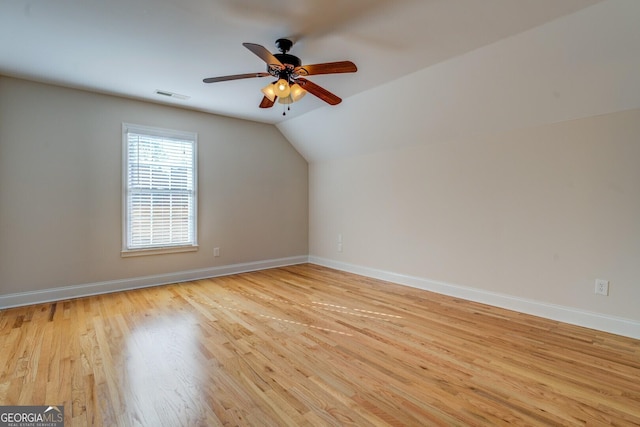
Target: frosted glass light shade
269, 92
282, 89
297, 92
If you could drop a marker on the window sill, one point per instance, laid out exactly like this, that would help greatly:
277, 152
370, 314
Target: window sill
157, 251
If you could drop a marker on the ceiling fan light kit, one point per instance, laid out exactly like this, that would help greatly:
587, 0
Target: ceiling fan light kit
290, 85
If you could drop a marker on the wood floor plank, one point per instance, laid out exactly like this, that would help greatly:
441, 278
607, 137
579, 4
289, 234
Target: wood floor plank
307, 345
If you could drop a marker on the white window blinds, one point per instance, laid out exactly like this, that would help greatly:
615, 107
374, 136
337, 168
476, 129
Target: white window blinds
160, 202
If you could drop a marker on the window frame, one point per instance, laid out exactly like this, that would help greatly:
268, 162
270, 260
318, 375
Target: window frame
128, 128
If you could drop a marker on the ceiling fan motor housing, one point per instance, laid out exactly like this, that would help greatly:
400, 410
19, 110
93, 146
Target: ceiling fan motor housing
287, 59
290, 62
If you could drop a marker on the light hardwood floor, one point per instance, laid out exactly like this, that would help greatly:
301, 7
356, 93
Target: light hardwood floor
306, 345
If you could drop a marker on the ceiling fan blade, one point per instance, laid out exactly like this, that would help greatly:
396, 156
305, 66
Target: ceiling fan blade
319, 91
234, 77
263, 54
267, 103
326, 68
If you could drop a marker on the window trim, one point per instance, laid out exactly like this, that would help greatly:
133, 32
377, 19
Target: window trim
159, 132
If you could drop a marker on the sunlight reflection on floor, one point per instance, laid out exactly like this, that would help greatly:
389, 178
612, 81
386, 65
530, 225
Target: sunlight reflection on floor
314, 305
163, 364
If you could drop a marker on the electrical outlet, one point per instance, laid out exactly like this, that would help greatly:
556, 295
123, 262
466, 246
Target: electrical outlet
602, 287
216, 251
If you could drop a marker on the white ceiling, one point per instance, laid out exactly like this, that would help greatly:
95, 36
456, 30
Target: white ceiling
133, 48
581, 65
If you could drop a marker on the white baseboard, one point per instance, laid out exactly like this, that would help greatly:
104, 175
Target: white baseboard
78, 291
601, 322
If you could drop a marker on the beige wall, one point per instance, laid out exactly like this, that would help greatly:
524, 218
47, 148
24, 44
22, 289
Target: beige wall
60, 189
537, 213
456, 179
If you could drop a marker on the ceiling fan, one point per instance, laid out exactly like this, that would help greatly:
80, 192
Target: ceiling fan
291, 84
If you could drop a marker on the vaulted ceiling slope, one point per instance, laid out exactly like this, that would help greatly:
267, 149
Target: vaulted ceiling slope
135, 48
580, 65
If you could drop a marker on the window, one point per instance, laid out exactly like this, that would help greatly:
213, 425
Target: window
159, 190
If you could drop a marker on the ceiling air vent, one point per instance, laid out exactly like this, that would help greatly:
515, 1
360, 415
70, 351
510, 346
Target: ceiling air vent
172, 95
